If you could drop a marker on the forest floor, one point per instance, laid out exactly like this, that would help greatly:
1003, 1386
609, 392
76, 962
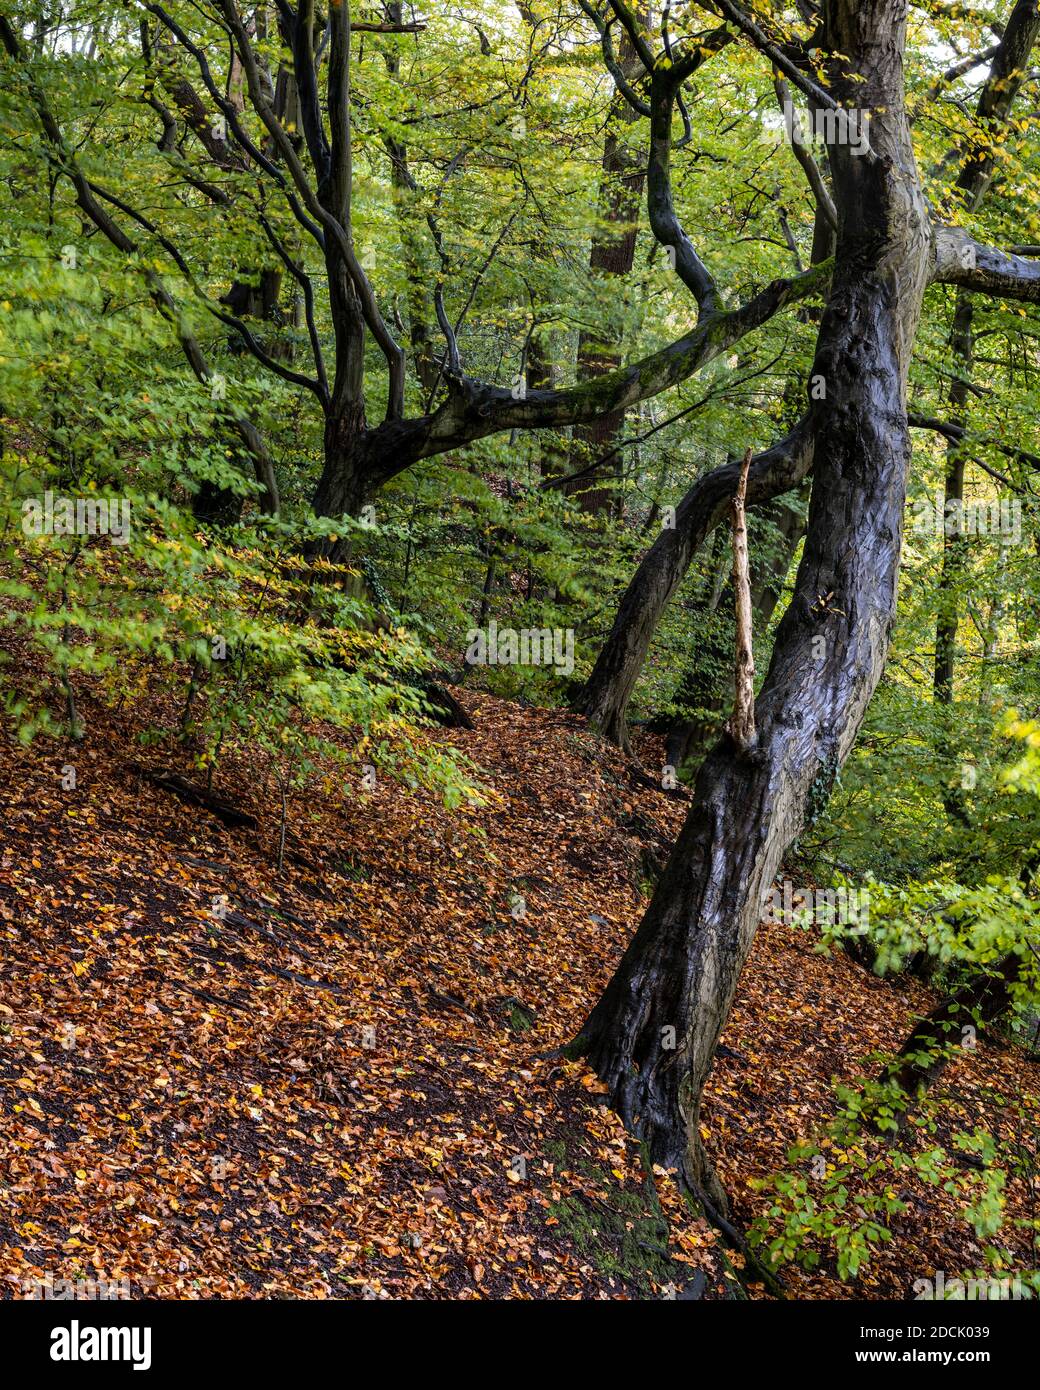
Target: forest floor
338, 1081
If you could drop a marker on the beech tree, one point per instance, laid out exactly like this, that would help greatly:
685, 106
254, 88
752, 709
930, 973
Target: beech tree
299, 67
652, 1035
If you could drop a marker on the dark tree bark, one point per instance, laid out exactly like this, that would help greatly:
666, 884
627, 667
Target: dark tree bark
608, 691
677, 979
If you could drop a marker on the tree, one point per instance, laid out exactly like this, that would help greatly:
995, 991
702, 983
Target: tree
653, 1033
358, 194
608, 691
308, 177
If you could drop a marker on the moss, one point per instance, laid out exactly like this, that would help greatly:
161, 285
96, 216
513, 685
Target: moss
621, 1231
520, 1019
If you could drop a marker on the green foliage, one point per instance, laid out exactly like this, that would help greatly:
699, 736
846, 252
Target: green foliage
957, 926
838, 1200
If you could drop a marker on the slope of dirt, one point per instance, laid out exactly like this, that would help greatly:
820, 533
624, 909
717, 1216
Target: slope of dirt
339, 1081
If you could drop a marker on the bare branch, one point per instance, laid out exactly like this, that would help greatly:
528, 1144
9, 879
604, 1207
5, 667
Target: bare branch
804, 156
965, 65
230, 320
958, 259
313, 201
742, 723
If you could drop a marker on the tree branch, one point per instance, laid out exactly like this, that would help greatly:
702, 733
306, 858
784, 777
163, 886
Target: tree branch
64, 163
230, 320
610, 60
764, 44
958, 259
811, 169
660, 203
476, 409
314, 204
957, 434
998, 95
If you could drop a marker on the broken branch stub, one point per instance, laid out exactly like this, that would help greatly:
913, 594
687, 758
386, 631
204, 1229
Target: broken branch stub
742, 722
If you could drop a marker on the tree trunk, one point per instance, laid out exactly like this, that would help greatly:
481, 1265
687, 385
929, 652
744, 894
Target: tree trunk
607, 692
346, 477
653, 1034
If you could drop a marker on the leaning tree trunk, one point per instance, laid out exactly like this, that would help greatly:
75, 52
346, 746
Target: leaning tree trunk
703, 687
608, 690
653, 1034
